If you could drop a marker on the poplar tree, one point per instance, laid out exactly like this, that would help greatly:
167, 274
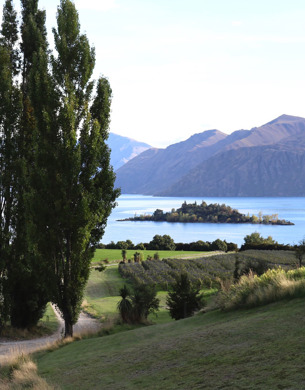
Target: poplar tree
10, 111
57, 185
27, 279
83, 194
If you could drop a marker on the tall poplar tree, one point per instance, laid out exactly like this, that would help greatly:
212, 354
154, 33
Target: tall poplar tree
72, 191
83, 194
10, 112
56, 185
27, 277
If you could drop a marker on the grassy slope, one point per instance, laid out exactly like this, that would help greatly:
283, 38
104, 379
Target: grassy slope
102, 295
115, 255
255, 349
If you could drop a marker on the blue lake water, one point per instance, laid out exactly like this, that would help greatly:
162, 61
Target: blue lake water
291, 209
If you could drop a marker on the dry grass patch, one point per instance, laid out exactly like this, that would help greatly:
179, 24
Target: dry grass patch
252, 290
22, 374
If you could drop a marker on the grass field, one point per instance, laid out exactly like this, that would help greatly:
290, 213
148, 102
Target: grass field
254, 349
115, 255
102, 295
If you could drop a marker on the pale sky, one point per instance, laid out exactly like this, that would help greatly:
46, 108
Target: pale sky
179, 67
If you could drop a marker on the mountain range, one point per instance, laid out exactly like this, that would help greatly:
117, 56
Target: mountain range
124, 149
265, 161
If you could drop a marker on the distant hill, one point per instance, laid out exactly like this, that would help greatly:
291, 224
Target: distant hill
265, 161
124, 149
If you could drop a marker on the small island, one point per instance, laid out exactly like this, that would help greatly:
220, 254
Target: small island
212, 213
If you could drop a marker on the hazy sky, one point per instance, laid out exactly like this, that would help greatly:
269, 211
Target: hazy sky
179, 67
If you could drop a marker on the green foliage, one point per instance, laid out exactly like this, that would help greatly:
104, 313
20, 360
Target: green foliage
125, 305
300, 252
24, 87
156, 256
208, 270
144, 302
219, 245
56, 180
136, 307
257, 266
184, 298
164, 242
256, 238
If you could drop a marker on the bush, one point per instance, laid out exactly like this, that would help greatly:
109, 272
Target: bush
164, 242
135, 308
253, 290
184, 298
219, 245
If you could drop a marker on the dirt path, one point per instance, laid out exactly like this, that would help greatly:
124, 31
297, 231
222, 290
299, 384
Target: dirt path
8, 349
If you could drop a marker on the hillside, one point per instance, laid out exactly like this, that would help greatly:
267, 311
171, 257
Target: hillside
124, 149
275, 170
264, 161
246, 349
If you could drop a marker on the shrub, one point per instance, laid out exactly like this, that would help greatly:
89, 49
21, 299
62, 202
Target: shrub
156, 256
219, 245
135, 308
144, 302
253, 290
125, 305
184, 298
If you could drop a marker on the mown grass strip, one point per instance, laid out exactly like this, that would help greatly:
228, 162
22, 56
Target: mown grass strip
115, 255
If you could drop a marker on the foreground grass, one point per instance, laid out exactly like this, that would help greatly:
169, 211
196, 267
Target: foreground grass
115, 255
255, 349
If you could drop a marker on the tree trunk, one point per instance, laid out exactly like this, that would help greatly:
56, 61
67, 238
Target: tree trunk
68, 328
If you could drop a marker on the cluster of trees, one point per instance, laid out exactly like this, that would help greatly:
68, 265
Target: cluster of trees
212, 213
165, 242
56, 184
256, 241
183, 300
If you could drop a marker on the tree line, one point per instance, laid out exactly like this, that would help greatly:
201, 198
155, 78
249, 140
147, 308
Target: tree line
166, 242
56, 182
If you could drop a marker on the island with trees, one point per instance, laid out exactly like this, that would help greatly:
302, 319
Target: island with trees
208, 213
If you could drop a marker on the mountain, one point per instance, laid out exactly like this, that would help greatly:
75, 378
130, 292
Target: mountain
265, 161
124, 149
156, 169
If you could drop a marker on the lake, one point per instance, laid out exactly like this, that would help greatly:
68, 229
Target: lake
291, 209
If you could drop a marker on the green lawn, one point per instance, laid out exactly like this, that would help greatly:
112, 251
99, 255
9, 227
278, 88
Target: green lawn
115, 255
255, 349
102, 295
49, 320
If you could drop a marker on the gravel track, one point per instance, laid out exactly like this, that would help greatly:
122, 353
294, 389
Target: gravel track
9, 349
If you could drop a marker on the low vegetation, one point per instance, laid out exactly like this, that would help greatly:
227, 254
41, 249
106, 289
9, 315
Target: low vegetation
208, 270
272, 286
135, 306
